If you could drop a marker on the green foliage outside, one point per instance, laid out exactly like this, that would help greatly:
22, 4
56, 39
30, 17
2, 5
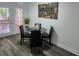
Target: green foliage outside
2, 12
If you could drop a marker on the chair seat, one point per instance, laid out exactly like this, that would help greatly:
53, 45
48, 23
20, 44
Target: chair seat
26, 34
45, 35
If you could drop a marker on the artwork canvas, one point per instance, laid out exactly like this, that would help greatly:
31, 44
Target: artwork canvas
48, 10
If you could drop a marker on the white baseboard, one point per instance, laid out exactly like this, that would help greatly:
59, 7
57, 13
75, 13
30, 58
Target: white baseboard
68, 48
8, 34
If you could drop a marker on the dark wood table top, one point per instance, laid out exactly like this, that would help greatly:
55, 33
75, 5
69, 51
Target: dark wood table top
32, 28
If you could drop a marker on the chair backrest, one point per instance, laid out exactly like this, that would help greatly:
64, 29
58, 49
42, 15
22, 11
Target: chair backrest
36, 38
38, 24
50, 32
21, 29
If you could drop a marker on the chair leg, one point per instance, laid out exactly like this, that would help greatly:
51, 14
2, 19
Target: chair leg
50, 41
30, 46
21, 41
31, 49
39, 50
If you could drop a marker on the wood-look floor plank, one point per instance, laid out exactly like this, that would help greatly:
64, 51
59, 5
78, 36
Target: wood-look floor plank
9, 46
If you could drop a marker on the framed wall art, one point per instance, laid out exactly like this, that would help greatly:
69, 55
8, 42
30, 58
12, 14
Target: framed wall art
48, 10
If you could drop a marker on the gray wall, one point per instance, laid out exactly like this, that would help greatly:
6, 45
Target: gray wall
66, 29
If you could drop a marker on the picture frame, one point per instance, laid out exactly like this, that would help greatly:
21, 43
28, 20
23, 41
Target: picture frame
48, 10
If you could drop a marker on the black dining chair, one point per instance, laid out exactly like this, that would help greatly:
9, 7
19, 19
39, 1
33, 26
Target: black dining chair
46, 35
23, 34
35, 40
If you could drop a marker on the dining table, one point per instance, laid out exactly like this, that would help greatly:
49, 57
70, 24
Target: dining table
29, 29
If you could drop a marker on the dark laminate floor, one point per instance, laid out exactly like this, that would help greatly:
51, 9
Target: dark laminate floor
9, 46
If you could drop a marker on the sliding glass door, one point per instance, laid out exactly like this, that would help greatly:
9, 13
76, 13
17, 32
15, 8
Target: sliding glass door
19, 18
4, 20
